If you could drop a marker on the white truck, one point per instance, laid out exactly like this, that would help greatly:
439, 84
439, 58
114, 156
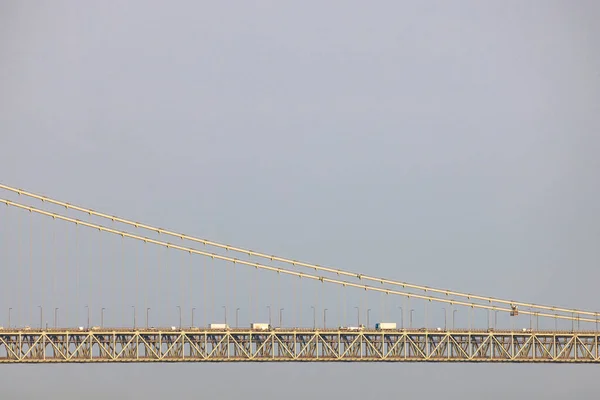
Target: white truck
380, 326
259, 326
218, 326
352, 328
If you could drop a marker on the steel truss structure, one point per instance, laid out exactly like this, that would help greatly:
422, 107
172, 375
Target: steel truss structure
295, 345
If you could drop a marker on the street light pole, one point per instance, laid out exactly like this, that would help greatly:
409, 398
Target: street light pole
495, 319
453, 313
88, 316
179, 307
101, 317
147, 316
9, 310
358, 315
193, 309
314, 317
133, 316
41, 318
324, 318
225, 311
411, 311
237, 310
280, 310
368, 311
269, 307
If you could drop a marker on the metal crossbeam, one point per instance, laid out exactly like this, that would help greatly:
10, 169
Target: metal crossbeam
300, 345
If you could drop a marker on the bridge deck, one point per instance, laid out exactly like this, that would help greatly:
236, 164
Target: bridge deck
289, 345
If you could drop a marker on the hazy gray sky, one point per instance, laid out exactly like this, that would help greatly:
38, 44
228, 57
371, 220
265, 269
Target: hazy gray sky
452, 144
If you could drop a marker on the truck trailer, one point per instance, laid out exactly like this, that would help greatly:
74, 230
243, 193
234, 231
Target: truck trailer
258, 326
218, 326
380, 326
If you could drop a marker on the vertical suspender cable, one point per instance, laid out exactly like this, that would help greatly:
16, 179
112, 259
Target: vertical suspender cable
227, 290
381, 308
113, 285
234, 295
157, 285
54, 265
167, 286
30, 294
77, 261
212, 289
204, 294
122, 280
300, 301
146, 276
66, 290
43, 234
99, 268
6, 287
136, 249
345, 305
182, 288
19, 289
295, 303
189, 284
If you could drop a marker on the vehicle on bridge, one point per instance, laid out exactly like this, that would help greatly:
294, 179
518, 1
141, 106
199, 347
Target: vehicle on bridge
385, 325
352, 328
258, 326
218, 326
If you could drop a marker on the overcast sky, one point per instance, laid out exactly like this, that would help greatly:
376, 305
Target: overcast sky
451, 144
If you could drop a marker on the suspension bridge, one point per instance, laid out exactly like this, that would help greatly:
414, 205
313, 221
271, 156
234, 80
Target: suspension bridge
85, 286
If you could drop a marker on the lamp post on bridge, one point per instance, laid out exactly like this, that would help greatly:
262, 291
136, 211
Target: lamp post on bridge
280, 310
324, 318
269, 307
368, 311
179, 307
237, 310
133, 316
9, 310
193, 309
225, 312
358, 315
496, 319
147, 314
411, 312
55, 316
88, 316
41, 319
101, 317
453, 313
314, 317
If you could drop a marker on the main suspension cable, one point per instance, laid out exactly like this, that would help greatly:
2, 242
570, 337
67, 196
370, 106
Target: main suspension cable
280, 270
382, 281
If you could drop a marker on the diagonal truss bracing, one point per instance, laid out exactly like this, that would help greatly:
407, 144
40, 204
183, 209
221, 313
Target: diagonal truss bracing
289, 345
